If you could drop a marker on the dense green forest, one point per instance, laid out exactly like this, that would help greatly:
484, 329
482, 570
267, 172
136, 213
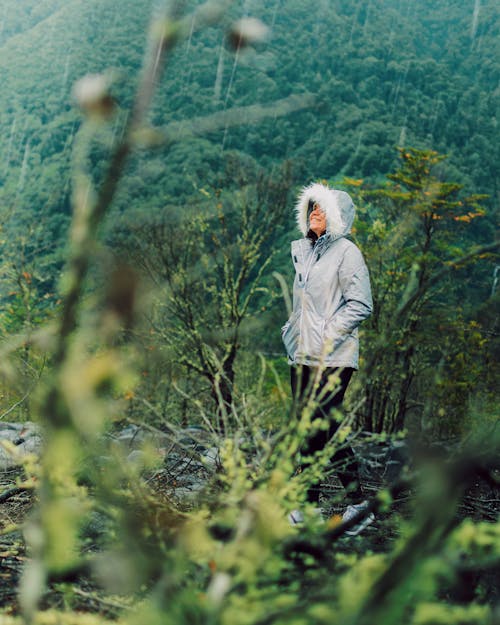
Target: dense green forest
151, 153
381, 74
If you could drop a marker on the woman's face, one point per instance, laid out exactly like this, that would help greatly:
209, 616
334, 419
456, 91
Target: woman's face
317, 220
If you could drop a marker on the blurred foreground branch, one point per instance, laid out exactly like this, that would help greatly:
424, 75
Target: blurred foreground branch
75, 409
238, 116
439, 487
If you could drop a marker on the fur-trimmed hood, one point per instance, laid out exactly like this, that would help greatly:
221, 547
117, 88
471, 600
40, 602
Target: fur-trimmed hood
338, 206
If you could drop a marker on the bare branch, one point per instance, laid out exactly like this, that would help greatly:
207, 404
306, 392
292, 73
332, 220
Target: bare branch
12, 492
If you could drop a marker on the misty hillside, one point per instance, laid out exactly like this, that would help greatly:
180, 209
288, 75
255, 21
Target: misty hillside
384, 73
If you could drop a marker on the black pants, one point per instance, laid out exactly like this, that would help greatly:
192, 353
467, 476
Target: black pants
302, 380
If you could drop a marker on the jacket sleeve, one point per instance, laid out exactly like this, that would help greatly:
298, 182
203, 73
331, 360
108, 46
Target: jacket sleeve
354, 282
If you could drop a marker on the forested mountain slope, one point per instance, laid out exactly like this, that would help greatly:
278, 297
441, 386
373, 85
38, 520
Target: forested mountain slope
384, 73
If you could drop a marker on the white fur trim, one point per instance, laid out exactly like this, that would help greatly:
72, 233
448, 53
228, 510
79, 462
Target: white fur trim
327, 199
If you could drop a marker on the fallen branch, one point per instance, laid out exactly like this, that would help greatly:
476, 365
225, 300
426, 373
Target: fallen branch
109, 603
12, 492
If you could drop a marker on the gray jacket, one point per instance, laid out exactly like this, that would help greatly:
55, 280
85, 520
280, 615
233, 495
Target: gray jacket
331, 291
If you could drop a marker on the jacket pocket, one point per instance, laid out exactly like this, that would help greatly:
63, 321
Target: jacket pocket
290, 335
314, 341
332, 339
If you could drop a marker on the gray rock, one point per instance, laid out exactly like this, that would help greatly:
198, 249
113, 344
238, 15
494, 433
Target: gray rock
211, 458
27, 439
134, 437
185, 494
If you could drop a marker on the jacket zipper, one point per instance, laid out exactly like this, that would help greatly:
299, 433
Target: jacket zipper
308, 268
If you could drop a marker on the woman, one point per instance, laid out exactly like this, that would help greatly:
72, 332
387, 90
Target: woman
331, 297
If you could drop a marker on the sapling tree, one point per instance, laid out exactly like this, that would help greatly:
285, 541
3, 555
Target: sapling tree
412, 235
27, 300
207, 262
